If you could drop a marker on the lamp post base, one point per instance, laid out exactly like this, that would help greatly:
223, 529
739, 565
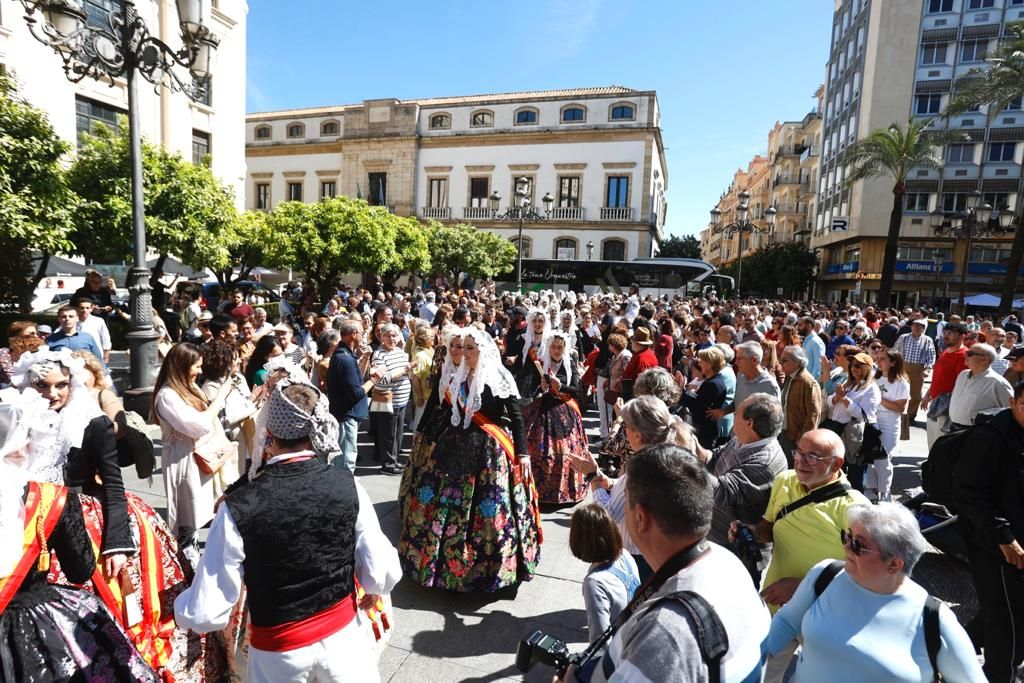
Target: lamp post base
142, 352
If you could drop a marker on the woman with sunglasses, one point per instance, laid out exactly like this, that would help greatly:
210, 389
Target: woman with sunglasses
853, 405
894, 387
867, 624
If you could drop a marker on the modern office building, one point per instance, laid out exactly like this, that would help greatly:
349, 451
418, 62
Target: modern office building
597, 152
889, 61
213, 126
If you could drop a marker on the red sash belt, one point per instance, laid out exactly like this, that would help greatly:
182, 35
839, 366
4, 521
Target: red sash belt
295, 634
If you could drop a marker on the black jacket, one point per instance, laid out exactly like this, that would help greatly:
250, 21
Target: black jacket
98, 457
711, 394
569, 376
989, 490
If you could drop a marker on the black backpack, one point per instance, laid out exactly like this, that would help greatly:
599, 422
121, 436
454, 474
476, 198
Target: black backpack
938, 472
932, 637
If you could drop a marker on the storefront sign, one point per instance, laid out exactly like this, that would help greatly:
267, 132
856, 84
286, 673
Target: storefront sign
923, 267
988, 269
848, 267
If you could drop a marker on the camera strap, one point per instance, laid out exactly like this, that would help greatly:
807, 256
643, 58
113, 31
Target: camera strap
675, 564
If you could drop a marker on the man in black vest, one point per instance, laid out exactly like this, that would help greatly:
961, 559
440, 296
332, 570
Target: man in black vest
301, 532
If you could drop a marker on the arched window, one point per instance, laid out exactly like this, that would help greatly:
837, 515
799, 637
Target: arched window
526, 116
622, 112
330, 128
481, 119
573, 113
527, 246
565, 249
263, 133
613, 250
440, 122
296, 130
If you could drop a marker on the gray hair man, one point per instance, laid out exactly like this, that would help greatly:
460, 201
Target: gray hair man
751, 378
801, 399
978, 389
742, 471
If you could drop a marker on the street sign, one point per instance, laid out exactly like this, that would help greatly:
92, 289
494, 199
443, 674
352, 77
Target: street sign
840, 223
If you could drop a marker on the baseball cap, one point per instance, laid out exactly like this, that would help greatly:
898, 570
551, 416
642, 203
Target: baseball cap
1016, 353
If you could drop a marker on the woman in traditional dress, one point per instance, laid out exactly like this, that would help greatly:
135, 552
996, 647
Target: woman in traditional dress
476, 528
527, 377
554, 425
49, 633
437, 415
74, 443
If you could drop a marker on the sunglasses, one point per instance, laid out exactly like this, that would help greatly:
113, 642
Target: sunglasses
856, 547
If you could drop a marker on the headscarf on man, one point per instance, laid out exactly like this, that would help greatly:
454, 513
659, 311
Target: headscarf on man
284, 419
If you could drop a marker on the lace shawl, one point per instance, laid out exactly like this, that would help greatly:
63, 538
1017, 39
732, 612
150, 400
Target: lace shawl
448, 368
490, 373
569, 339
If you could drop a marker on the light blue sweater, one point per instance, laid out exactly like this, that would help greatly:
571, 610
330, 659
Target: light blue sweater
851, 634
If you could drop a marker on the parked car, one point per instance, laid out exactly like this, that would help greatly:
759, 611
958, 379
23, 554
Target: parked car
210, 291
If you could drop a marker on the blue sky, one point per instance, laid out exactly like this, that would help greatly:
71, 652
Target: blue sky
724, 70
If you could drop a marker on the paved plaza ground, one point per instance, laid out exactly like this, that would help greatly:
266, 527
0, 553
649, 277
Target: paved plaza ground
444, 637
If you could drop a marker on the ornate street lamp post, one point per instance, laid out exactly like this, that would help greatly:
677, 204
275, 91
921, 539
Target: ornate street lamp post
124, 48
590, 249
938, 258
742, 225
976, 222
520, 210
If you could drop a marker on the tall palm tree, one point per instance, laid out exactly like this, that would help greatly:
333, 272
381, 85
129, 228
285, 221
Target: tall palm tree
893, 152
997, 85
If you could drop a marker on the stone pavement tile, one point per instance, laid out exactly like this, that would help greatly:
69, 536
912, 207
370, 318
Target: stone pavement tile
391, 660
482, 631
418, 668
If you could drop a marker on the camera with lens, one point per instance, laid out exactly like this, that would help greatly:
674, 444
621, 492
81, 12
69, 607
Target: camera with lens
540, 647
746, 547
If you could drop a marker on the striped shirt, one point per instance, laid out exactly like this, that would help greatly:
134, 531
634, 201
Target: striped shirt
920, 350
394, 360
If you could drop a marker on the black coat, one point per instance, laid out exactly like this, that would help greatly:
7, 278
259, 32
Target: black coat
989, 493
97, 456
569, 376
711, 394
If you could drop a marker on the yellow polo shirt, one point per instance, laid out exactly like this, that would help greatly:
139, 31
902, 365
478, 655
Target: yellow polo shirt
806, 536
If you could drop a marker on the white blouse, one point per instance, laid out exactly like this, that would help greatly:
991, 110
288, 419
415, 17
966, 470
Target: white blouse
863, 405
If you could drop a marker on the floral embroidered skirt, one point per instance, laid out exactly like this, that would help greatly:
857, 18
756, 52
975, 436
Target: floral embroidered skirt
55, 633
552, 430
467, 526
159, 574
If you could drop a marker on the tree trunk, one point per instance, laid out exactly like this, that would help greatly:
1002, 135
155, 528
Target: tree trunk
26, 301
891, 244
1012, 271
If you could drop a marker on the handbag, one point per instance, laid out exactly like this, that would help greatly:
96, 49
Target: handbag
871, 448
380, 401
213, 449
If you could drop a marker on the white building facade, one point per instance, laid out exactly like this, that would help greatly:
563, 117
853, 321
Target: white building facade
213, 127
597, 151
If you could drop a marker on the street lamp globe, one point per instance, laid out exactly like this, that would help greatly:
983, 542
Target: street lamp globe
547, 200
769, 216
494, 200
203, 51
984, 213
743, 196
192, 17
67, 17
1006, 218
741, 212
522, 187
716, 217
937, 218
973, 199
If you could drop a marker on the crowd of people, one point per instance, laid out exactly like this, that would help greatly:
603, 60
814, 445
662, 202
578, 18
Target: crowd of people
745, 457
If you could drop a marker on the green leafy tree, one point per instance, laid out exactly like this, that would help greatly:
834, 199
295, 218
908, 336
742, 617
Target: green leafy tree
412, 246
675, 246
333, 237
996, 85
893, 152
246, 240
189, 212
462, 248
789, 266
35, 204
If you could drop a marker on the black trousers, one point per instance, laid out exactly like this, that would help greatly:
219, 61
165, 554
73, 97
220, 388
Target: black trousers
388, 430
1001, 598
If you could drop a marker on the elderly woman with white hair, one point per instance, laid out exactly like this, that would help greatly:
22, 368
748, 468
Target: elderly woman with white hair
866, 619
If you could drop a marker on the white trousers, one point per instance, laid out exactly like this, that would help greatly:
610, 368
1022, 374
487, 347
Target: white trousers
348, 655
934, 428
602, 407
878, 478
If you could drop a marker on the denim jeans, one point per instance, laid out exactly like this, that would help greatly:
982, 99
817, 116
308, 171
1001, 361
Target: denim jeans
347, 439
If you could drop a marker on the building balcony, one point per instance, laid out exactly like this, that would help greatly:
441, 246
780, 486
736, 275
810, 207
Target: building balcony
810, 153
476, 213
441, 213
787, 208
616, 213
790, 150
806, 190
566, 213
787, 179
